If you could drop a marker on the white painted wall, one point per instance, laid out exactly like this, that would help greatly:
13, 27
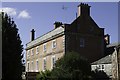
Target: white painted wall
107, 68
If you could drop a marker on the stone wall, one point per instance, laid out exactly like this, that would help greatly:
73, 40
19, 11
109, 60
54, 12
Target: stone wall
114, 65
50, 52
119, 63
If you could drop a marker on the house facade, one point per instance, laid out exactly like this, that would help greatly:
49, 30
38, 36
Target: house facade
110, 63
83, 36
103, 64
46, 51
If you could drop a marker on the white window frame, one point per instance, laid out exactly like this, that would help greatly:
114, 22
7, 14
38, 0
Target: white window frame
54, 44
32, 52
44, 64
28, 66
82, 42
32, 66
37, 65
37, 50
52, 64
102, 67
28, 53
44, 47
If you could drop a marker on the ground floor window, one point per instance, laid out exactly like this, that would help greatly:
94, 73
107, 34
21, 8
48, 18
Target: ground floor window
44, 64
53, 62
37, 65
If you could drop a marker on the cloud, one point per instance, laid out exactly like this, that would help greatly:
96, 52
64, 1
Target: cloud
13, 12
9, 11
24, 14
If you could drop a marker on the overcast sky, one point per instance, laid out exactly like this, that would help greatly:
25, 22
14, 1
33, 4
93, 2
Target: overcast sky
41, 16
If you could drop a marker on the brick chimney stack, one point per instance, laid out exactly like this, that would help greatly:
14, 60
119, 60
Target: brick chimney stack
83, 10
107, 39
32, 34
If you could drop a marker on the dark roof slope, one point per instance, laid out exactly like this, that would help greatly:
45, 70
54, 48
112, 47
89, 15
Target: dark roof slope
105, 60
114, 44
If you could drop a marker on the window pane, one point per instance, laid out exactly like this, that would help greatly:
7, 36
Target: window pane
37, 65
54, 44
53, 61
102, 67
44, 47
44, 65
28, 67
37, 50
82, 42
32, 66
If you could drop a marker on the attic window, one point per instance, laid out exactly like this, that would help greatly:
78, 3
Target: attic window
82, 42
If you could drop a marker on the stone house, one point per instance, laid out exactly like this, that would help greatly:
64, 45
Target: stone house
83, 36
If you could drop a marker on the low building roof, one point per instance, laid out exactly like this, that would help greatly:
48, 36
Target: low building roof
105, 60
114, 44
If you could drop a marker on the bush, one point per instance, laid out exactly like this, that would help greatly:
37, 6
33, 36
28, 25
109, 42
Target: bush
44, 75
71, 66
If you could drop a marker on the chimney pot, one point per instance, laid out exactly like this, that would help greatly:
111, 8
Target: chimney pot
57, 24
83, 10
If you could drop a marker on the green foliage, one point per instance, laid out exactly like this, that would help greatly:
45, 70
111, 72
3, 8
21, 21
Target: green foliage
11, 50
72, 66
60, 74
73, 61
44, 75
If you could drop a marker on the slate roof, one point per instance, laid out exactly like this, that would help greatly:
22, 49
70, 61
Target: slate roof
114, 44
46, 36
105, 60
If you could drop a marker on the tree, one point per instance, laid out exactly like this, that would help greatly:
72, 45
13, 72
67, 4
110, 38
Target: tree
11, 50
71, 66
